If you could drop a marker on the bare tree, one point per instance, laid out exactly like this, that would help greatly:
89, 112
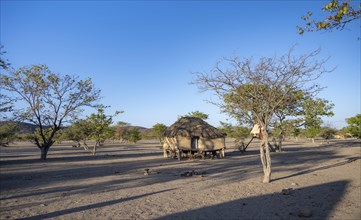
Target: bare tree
50, 100
253, 93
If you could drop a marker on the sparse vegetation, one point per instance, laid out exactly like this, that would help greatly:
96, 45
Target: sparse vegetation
252, 93
78, 132
239, 133
133, 135
51, 99
8, 132
354, 126
198, 114
158, 130
338, 15
99, 127
327, 133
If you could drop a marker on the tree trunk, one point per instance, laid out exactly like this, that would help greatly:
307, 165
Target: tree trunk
222, 155
44, 152
95, 148
280, 139
267, 174
85, 145
265, 158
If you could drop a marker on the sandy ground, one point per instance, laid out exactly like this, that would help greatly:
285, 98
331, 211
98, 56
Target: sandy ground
313, 181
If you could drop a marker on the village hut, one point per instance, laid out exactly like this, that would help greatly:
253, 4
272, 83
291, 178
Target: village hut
191, 135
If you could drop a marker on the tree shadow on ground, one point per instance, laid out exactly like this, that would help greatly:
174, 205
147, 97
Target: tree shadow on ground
49, 173
75, 156
92, 206
235, 167
348, 160
332, 144
316, 201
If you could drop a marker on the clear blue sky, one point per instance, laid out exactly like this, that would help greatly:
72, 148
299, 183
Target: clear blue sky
141, 53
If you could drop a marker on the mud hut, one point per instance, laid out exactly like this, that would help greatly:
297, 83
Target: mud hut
190, 136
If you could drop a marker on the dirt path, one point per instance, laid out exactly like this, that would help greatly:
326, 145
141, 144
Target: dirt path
320, 181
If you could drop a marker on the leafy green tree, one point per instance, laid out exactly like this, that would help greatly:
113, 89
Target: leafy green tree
253, 92
110, 133
281, 130
99, 127
284, 119
51, 99
8, 132
133, 135
158, 130
354, 125
327, 132
312, 110
303, 110
226, 128
120, 130
338, 15
295, 132
78, 132
198, 114
312, 132
239, 133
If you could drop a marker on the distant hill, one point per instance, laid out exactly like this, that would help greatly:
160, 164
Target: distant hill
141, 129
28, 128
24, 128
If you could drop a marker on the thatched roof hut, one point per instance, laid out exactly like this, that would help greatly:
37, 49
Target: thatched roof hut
191, 134
192, 126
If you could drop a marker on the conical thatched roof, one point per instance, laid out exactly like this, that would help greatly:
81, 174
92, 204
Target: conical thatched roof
192, 126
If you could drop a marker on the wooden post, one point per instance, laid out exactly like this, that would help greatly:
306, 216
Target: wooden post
179, 154
165, 154
222, 153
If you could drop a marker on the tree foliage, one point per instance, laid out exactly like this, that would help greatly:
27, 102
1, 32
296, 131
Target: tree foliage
312, 110
239, 133
327, 132
311, 132
120, 130
226, 128
51, 100
133, 135
8, 132
99, 127
252, 93
158, 130
4, 63
78, 132
6, 105
338, 15
354, 125
6, 102
198, 114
